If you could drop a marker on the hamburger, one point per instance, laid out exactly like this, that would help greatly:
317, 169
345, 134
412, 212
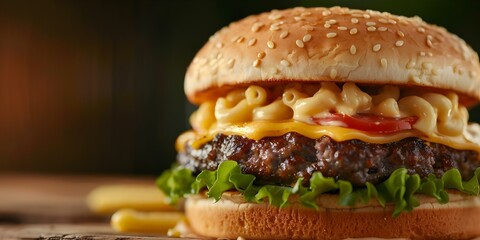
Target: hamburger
330, 123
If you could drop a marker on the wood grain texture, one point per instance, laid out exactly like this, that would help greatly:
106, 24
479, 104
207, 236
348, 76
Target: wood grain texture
27, 198
70, 231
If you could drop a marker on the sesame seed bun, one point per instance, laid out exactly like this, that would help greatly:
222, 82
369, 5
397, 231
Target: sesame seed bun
333, 44
231, 217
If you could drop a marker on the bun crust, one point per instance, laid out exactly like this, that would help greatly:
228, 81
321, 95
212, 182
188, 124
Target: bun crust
231, 218
333, 44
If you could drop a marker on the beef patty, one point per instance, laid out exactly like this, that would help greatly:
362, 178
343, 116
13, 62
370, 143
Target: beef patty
282, 160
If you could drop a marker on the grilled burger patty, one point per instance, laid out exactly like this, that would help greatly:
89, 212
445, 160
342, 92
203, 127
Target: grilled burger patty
284, 159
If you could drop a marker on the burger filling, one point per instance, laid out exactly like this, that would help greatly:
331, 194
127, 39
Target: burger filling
343, 113
284, 159
363, 143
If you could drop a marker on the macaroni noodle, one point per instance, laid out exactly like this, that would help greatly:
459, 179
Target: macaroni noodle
437, 113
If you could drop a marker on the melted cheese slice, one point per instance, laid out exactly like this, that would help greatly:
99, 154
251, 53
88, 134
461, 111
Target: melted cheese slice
257, 130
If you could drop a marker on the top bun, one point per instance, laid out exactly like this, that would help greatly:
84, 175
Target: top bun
333, 44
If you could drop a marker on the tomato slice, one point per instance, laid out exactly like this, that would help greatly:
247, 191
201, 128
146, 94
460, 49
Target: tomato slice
367, 123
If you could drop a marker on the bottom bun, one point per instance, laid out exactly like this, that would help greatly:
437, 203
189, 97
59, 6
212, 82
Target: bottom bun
231, 217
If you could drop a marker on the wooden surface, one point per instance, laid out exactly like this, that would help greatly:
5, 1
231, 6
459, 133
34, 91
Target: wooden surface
54, 207
70, 231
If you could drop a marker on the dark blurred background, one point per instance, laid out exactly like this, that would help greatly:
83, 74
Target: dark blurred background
97, 86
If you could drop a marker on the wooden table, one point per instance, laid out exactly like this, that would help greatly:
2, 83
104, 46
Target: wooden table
54, 207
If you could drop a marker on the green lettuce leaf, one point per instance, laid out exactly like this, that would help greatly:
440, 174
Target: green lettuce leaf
276, 195
398, 190
175, 183
471, 187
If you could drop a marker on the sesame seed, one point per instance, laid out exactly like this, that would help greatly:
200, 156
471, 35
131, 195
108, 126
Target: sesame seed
429, 37
333, 73
299, 43
252, 42
306, 14
430, 54
427, 65
391, 21
399, 43
271, 44
235, 39
202, 61
403, 21
240, 238
383, 20
440, 38
274, 70
326, 25
457, 69
261, 55
214, 70
471, 74
256, 63
230, 63
357, 15
219, 55
421, 29
307, 37
466, 54
353, 31
382, 29
285, 63
353, 49
211, 38
240, 39
422, 54
366, 16
331, 21
410, 64
417, 19
275, 16
275, 27
284, 34
383, 62
354, 20
370, 23
257, 26
400, 34
331, 35
307, 27
326, 13
342, 28
219, 45
298, 18
377, 47
429, 43
371, 29
416, 79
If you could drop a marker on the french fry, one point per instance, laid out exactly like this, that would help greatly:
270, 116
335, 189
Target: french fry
129, 220
108, 199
